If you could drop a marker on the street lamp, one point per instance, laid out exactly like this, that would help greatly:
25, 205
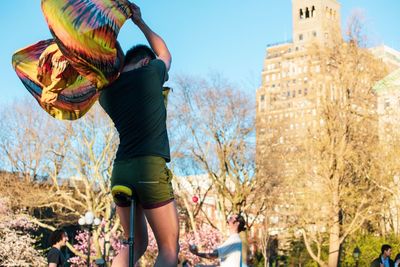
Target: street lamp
88, 221
356, 255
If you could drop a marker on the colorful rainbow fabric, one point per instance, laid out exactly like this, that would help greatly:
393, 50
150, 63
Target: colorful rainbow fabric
65, 74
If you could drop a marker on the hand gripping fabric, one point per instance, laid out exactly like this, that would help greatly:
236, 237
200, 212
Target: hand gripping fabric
65, 74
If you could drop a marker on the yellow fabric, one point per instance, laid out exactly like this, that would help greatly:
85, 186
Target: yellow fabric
66, 73
55, 73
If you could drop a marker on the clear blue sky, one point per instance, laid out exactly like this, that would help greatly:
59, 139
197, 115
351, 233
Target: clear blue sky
227, 36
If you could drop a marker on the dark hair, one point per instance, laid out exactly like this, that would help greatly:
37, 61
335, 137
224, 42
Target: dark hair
56, 236
385, 247
397, 257
137, 53
242, 223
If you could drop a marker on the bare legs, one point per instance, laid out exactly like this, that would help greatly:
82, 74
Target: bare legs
141, 239
164, 223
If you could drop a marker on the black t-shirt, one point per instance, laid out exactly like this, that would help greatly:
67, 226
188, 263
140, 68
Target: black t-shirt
135, 104
55, 256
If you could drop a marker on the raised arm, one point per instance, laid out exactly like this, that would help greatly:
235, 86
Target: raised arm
156, 42
207, 255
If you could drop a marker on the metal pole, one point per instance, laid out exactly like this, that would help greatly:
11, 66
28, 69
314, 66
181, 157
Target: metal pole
88, 251
132, 233
104, 249
340, 217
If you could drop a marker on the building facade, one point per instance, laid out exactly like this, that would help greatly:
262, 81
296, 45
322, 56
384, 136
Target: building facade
287, 100
286, 103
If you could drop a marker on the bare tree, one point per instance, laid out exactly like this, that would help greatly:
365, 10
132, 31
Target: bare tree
68, 168
25, 130
388, 179
216, 122
332, 191
214, 126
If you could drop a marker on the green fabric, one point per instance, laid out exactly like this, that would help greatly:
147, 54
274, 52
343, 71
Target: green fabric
148, 176
135, 103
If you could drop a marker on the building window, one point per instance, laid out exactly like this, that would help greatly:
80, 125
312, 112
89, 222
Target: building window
312, 11
307, 13
301, 37
314, 33
262, 97
294, 93
387, 103
305, 91
288, 93
301, 14
299, 92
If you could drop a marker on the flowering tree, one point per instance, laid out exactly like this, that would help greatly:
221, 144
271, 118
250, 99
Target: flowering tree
81, 245
67, 172
207, 239
17, 247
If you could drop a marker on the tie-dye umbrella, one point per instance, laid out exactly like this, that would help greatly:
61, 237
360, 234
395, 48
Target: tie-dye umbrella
64, 74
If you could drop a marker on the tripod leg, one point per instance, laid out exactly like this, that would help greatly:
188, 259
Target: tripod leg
132, 233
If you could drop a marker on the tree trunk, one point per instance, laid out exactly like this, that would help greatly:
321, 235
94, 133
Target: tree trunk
334, 244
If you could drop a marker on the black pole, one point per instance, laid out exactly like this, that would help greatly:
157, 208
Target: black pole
132, 233
340, 217
88, 251
106, 257
104, 249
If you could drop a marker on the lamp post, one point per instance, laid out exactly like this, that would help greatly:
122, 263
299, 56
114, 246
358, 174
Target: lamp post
88, 221
356, 255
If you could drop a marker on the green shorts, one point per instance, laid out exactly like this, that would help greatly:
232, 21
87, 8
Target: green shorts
149, 178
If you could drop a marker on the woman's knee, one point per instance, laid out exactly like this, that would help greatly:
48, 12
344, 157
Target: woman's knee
168, 256
170, 251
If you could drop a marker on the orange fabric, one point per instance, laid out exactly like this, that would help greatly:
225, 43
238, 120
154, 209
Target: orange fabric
65, 74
